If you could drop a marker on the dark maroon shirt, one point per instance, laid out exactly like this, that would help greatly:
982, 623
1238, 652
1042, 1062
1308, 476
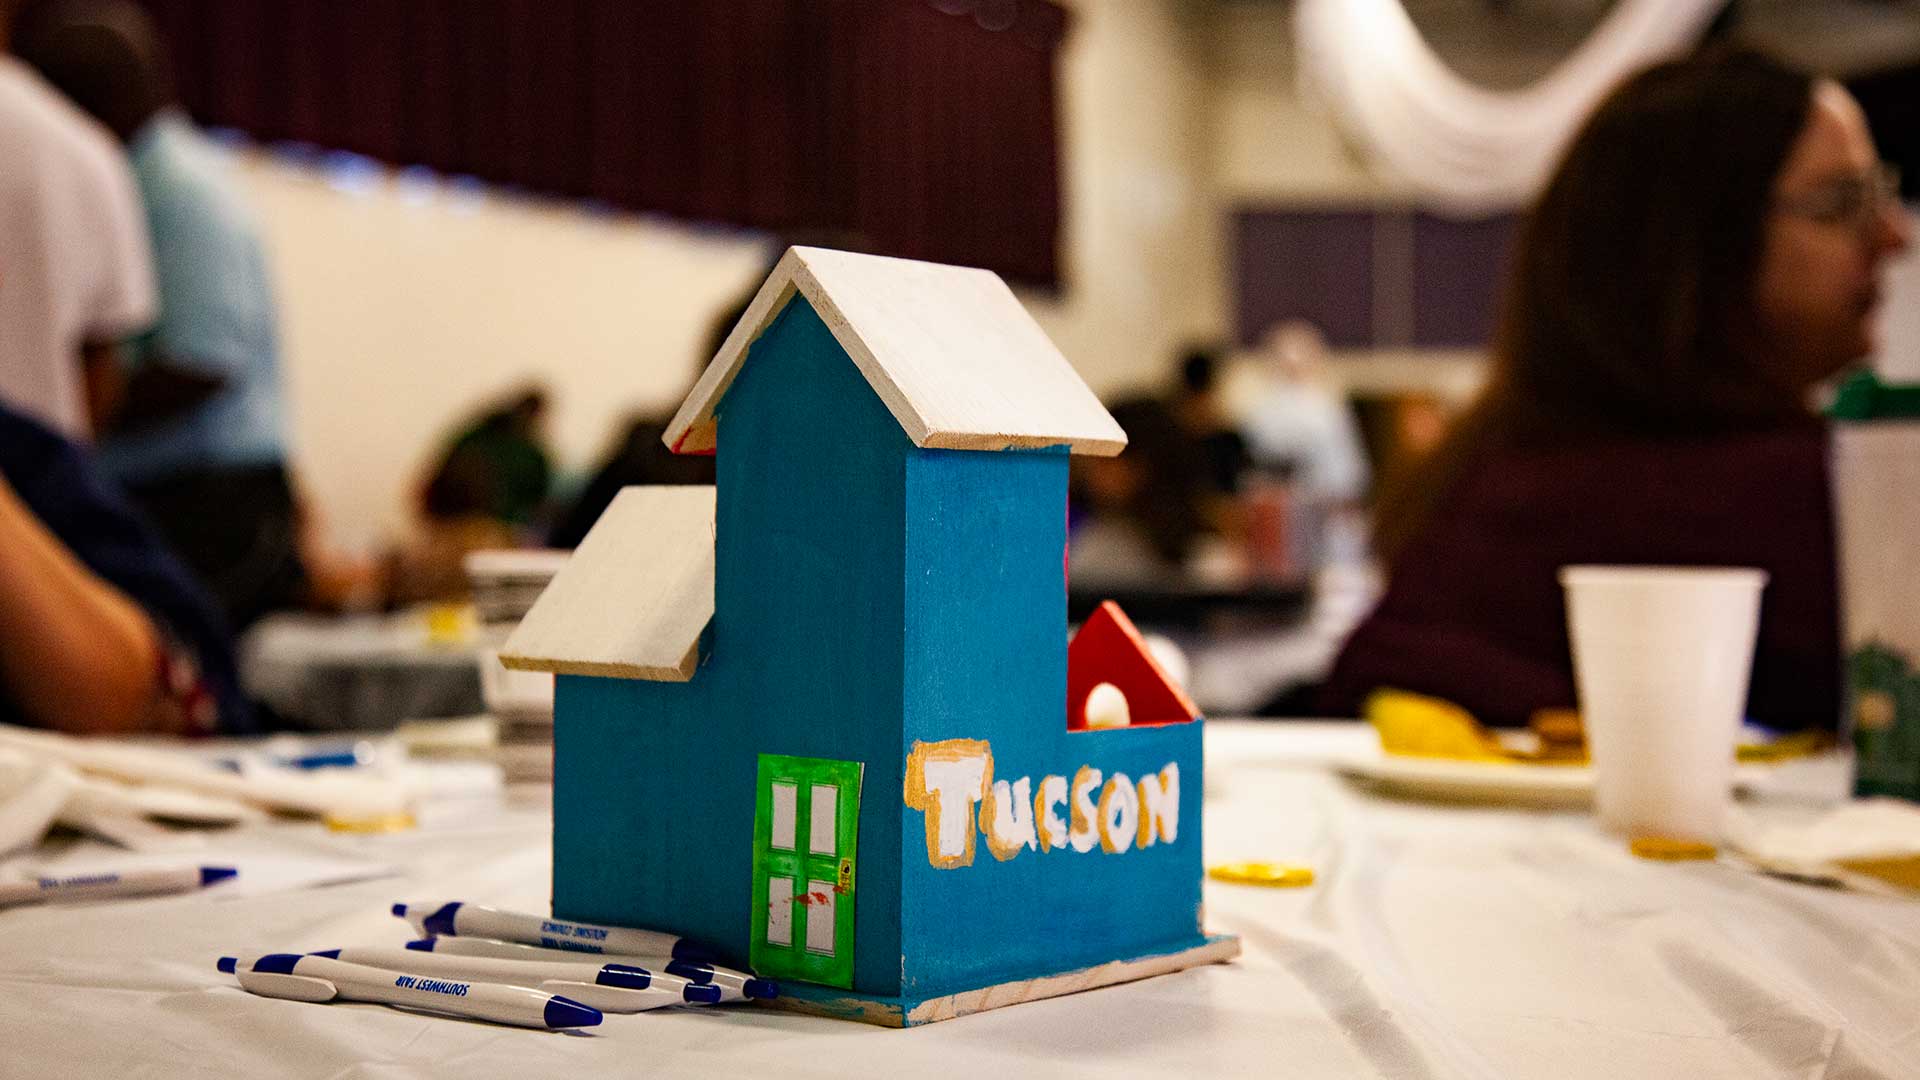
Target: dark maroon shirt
1474, 613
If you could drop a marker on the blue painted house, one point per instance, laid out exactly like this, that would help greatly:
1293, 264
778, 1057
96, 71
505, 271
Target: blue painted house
818, 718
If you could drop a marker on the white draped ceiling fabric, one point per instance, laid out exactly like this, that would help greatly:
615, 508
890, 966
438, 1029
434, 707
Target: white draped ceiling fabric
1464, 147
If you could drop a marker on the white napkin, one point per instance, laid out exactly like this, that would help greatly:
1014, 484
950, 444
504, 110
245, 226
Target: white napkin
1834, 847
321, 793
32, 794
118, 790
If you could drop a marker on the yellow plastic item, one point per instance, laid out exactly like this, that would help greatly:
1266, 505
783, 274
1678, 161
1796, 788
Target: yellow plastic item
451, 624
1798, 744
1415, 725
1272, 875
1668, 849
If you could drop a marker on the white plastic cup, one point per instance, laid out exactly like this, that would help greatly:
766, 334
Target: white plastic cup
1662, 656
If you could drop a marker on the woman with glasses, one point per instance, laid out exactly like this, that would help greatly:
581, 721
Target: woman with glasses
1709, 249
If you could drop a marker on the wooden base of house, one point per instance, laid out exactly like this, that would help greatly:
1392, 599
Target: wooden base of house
914, 1011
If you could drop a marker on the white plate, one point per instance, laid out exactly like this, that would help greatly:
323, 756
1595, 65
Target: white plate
1492, 781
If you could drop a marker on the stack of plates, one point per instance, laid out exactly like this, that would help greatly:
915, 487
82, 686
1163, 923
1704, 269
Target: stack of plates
505, 585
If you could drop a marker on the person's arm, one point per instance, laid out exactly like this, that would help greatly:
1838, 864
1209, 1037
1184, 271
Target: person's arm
75, 653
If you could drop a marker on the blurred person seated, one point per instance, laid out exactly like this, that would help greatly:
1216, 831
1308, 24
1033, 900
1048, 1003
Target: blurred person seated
485, 490
194, 431
641, 455
1707, 251
1398, 429
499, 463
638, 457
75, 273
101, 629
1299, 425
1198, 407
1142, 513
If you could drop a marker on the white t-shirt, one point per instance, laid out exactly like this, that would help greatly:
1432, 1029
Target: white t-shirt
74, 261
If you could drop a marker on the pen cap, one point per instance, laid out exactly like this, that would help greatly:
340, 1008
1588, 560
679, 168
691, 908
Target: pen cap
429, 920
625, 976
567, 1013
692, 972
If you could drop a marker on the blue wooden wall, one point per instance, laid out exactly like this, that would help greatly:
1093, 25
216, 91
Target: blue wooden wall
809, 597
986, 659
638, 799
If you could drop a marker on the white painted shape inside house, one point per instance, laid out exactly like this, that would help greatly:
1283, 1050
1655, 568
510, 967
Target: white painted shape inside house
820, 917
826, 813
780, 911
785, 810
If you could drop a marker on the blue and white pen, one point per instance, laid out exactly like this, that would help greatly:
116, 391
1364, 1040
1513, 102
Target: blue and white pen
321, 978
614, 988
457, 919
487, 948
110, 884
733, 985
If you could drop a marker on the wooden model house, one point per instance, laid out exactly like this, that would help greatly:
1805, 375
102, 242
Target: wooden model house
819, 718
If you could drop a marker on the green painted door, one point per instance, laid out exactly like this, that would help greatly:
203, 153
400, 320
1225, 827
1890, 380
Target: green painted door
806, 819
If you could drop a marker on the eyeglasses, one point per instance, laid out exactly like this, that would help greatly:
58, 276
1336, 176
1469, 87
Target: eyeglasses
1855, 200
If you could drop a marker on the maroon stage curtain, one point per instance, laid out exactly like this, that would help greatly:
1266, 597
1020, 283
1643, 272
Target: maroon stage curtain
923, 128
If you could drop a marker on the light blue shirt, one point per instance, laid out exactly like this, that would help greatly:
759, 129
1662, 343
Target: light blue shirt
216, 311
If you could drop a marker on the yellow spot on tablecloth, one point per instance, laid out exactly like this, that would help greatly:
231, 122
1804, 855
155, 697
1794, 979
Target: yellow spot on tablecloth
398, 821
1668, 849
1273, 875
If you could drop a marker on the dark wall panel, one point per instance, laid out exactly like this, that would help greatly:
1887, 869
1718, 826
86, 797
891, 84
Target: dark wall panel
924, 128
1387, 278
1459, 267
1304, 264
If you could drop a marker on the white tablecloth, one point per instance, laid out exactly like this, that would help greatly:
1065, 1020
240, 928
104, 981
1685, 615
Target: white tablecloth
1438, 942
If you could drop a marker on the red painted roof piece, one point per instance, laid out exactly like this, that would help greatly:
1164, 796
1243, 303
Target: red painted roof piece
1108, 649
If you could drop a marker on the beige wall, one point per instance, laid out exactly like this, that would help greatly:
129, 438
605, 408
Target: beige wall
1271, 142
401, 314
1144, 255
404, 311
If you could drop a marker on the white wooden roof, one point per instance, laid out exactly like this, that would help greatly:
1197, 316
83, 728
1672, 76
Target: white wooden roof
951, 351
635, 597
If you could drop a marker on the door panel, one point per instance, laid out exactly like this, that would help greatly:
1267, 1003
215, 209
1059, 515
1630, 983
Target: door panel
785, 813
780, 911
805, 933
821, 834
820, 897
